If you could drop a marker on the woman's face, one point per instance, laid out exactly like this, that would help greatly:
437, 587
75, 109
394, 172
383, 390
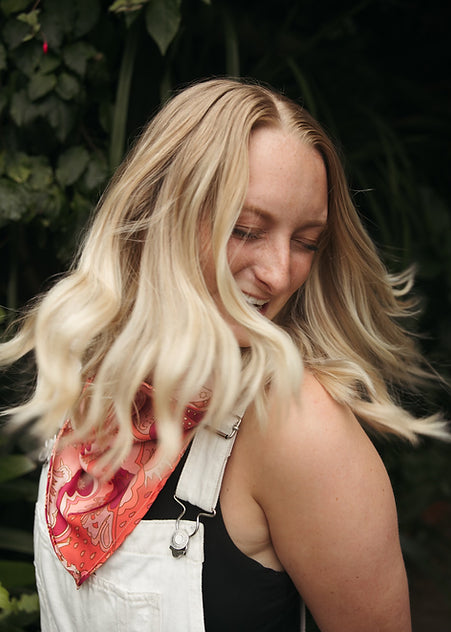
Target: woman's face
274, 241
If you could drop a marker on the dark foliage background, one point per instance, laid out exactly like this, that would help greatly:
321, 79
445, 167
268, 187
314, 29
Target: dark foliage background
78, 80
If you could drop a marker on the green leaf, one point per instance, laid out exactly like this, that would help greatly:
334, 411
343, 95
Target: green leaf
2, 57
127, 5
13, 6
15, 465
22, 111
16, 540
18, 167
19, 172
71, 165
12, 202
3, 102
117, 136
87, 15
60, 115
27, 58
40, 85
31, 19
41, 176
15, 613
28, 603
67, 87
163, 19
63, 12
49, 63
16, 574
4, 599
77, 55
231, 43
96, 173
53, 27
14, 33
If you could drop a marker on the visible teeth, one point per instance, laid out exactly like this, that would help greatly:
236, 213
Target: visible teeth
258, 302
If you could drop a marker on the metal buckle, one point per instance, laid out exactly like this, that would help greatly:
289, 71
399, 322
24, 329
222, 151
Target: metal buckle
232, 433
180, 538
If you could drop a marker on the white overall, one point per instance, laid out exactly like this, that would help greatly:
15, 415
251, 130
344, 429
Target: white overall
143, 586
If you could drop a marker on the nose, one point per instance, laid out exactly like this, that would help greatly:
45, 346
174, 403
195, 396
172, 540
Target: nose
273, 267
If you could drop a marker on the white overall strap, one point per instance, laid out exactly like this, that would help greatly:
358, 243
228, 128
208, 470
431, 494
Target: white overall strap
201, 478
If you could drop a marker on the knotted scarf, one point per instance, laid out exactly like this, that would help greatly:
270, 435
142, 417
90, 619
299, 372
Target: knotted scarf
87, 518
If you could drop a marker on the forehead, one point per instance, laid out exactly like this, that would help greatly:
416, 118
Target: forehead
286, 175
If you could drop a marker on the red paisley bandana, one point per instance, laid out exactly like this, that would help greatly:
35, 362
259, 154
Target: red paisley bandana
89, 519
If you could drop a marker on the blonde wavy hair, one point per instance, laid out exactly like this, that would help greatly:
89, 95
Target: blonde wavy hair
135, 306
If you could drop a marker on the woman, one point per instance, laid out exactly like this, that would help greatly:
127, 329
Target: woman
225, 256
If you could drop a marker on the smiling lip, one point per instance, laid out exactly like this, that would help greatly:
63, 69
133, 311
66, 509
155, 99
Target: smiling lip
258, 303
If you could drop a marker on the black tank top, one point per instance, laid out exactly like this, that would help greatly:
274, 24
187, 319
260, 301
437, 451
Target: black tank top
239, 594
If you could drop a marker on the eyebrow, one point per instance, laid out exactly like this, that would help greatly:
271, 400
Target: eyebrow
266, 215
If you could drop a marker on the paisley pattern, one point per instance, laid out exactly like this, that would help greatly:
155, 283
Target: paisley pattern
87, 518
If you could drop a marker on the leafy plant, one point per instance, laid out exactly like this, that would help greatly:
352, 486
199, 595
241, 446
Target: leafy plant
79, 79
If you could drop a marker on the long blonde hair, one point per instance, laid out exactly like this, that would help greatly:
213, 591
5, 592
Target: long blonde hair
135, 305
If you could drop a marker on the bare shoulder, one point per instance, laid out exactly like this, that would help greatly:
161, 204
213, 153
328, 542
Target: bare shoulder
331, 514
316, 435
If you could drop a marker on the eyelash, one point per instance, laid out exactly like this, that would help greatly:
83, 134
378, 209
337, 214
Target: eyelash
246, 234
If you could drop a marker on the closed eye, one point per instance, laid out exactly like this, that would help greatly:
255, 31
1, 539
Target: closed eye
246, 233
307, 245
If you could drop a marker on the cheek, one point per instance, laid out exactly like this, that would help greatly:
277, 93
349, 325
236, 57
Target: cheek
301, 274
236, 256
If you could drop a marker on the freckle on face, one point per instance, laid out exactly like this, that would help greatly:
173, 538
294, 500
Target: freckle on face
286, 206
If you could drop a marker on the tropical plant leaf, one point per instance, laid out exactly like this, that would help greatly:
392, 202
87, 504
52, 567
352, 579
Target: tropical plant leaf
41, 173
14, 33
163, 19
122, 97
28, 58
86, 16
71, 165
32, 20
13, 6
40, 85
60, 114
68, 87
19, 170
11, 204
14, 465
16, 574
16, 540
22, 110
2, 57
49, 63
4, 599
17, 612
96, 173
77, 55
127, 5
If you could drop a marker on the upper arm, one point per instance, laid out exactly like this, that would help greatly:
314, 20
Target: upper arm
332, 517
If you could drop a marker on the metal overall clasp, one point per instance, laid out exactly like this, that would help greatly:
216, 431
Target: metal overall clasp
180, 538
